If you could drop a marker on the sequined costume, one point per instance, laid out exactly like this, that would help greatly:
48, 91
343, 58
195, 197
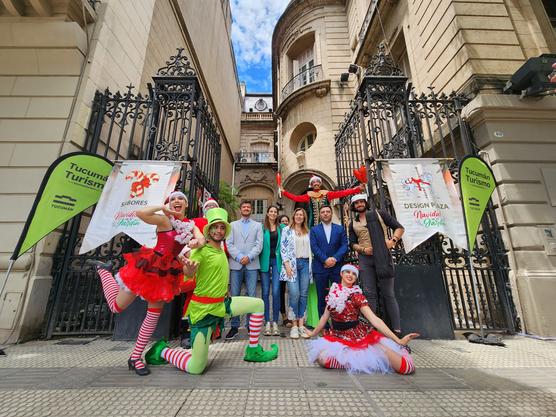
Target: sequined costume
353, 343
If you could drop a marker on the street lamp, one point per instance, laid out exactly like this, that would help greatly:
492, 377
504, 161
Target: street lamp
352, 69
533, 77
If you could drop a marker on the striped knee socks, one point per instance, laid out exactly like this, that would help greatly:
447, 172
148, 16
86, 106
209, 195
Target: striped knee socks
255, 327
110, 288
407, 367
178, 358
332, 363
145, 333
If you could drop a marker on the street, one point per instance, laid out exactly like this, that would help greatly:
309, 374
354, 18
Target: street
89, 377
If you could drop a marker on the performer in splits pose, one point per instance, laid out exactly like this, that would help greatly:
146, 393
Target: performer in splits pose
353, 344
153, 274
209, 304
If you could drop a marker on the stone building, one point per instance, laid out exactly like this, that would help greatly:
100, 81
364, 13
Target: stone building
468, 47
54, 55
255, 163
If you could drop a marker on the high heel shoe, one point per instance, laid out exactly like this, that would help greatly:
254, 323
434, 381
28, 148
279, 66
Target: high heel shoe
139, 371
98, 264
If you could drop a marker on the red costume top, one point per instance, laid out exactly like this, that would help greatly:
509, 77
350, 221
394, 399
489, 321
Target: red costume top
361, 334
330, 195
200, 222
155, 274
315, 203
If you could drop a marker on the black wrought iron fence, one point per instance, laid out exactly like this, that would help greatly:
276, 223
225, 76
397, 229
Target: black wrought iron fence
387, 119
172, 122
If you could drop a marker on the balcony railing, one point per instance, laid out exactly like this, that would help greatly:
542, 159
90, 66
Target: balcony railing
367, 22
255, 157
256, 117
310, 75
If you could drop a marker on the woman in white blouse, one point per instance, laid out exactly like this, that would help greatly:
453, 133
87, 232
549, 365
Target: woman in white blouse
295, 250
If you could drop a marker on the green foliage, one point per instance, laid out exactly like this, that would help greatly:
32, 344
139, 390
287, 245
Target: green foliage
227, 198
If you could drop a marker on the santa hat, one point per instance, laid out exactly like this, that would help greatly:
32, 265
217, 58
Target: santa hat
350, 267
210, 201
175, 194
358, 197
313, 179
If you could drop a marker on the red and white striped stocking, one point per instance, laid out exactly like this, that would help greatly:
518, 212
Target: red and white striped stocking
255, 327
110, 288
177, 357
332, 363
407, 367
145, 333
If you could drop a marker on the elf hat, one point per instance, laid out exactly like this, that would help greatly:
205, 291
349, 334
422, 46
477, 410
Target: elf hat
217, 215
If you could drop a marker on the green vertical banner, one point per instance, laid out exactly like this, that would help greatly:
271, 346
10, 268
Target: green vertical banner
476, 182
72, 184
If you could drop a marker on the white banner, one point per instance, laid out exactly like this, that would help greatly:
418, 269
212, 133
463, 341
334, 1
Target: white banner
132, 185
425, 200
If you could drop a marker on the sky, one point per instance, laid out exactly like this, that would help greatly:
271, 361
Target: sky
253, 22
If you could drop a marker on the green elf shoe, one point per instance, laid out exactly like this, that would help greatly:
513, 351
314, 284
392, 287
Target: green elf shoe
258, 354
154, 354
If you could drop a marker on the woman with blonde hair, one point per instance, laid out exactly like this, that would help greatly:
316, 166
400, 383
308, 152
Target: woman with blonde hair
271, 264
295, 249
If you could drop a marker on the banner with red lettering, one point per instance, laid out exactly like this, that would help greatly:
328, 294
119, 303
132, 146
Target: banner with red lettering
425, 200
132, 185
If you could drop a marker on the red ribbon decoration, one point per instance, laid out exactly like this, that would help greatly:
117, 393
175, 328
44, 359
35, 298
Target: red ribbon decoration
278, 179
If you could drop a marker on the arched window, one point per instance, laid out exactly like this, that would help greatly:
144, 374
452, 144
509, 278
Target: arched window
306, 142
303, 137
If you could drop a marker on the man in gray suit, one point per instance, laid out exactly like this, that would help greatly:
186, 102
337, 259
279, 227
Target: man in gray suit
244, 246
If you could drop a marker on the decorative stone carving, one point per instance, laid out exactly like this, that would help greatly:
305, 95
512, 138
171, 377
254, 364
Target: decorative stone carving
256, 176
321, 91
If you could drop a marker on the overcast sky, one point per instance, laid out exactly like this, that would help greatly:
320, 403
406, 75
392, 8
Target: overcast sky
252, 27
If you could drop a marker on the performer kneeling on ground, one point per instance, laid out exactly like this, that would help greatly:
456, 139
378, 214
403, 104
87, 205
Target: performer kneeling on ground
209, 304
154, 274
353, 344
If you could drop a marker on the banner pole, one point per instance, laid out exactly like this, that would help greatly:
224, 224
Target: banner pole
10, 265
475, 293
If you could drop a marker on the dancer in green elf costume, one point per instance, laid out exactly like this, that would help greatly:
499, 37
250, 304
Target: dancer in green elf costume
210, 304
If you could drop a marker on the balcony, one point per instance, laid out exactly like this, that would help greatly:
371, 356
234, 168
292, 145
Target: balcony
309, 76
80, 11
255, 158
257, 117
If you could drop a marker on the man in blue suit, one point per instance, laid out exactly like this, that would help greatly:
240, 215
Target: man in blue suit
329, 245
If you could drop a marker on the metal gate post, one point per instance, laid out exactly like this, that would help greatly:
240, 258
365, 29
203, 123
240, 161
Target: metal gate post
63, 273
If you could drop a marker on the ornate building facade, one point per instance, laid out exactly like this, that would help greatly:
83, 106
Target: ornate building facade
54, 55
466, 47
256, 162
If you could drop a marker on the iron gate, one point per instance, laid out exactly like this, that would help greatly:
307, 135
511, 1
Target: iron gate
387, 119
173, 122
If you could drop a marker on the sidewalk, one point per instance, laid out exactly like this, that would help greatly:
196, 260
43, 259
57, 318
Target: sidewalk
453, 378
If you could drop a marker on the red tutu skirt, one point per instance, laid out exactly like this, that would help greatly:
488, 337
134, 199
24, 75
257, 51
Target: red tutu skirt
153, 276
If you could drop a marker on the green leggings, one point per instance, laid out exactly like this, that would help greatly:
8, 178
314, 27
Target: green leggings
199, 352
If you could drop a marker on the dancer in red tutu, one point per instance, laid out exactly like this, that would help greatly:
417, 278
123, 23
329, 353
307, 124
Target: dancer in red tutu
353, 344
154, 274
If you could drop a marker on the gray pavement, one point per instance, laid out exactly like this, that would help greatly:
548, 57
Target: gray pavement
453, 378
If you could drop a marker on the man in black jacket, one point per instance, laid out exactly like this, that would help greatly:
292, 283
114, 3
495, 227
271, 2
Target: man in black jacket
367, 237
